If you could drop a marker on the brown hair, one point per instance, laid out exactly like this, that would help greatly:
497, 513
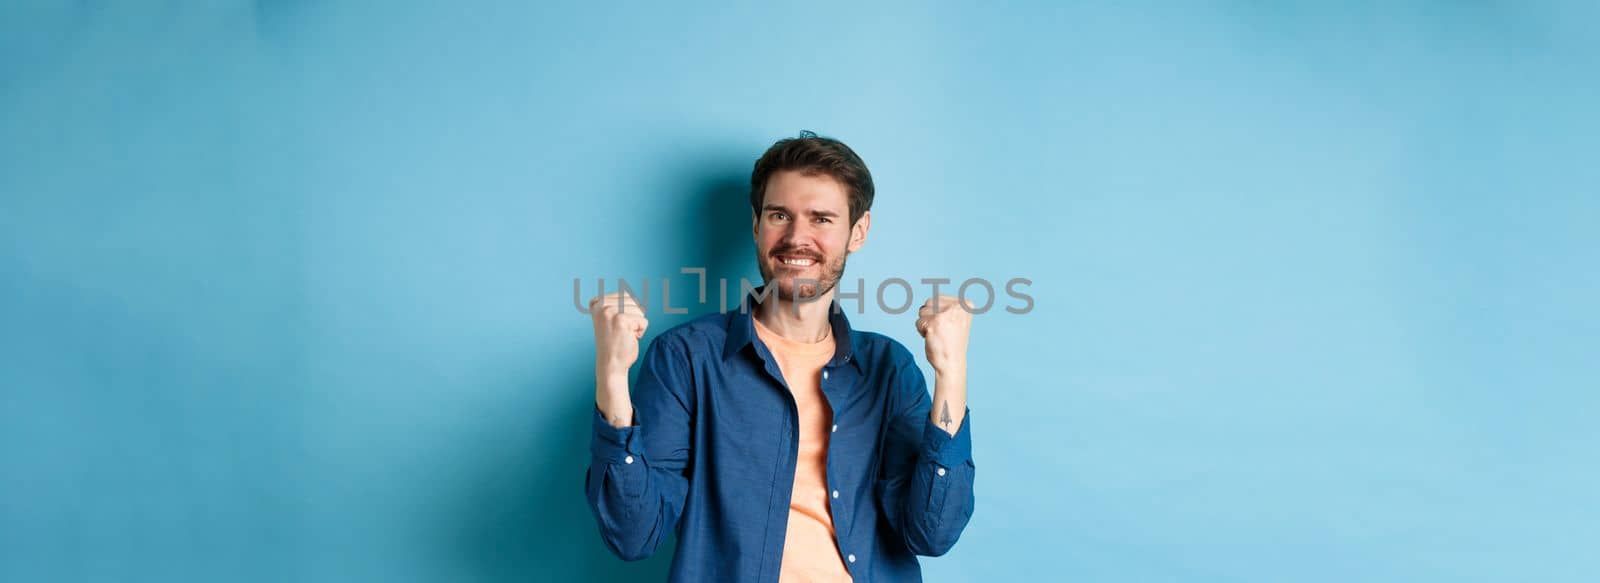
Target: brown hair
814, 155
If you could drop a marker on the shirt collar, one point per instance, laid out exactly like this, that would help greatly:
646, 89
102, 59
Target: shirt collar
742, 330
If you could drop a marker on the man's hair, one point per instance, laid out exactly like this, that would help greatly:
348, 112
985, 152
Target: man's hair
813, 155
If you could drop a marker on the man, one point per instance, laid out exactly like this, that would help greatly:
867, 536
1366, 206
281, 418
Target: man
775, 441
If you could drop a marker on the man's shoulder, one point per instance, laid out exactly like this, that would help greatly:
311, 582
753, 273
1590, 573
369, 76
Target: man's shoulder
701, 333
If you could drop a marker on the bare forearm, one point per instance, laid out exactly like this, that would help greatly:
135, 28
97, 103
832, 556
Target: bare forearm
949, 398
611, 396
944, 322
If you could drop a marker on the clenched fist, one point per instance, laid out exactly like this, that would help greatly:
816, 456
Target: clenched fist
619, 324
944, 324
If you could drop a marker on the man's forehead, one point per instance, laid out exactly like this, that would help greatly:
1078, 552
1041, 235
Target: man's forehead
791, 188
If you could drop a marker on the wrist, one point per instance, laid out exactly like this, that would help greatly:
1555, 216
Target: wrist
605, 368
951, 369
611, 397
610, 379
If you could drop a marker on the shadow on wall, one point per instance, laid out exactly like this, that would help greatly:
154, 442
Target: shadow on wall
526, 518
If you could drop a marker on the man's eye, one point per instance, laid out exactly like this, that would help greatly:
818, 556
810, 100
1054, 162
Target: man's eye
824, 220
779, 216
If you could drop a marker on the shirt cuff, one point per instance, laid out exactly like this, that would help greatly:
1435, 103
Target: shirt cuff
944, 449
611, 444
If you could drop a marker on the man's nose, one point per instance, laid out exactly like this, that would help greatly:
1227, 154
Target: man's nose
793, 234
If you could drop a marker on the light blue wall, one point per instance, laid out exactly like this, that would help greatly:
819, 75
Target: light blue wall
285, 287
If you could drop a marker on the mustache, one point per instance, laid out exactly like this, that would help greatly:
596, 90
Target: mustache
796, 252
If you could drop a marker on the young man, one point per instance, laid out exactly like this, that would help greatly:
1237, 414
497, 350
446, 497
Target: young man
778, 443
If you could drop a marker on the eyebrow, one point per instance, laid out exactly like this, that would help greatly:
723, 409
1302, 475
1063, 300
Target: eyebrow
814, 212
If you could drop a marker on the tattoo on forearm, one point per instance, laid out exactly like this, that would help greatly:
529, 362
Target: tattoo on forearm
944, 415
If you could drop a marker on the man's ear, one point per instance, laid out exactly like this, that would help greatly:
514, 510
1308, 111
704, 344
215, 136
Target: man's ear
858, 231
755, 225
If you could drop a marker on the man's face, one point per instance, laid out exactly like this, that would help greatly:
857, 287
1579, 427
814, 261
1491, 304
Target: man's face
803, 232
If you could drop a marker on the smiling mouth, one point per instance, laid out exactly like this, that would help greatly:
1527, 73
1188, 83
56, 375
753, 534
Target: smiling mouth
794, 261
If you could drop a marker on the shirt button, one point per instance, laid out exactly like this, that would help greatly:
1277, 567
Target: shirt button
835, 493
941, 471
851, 558
824, 375
836, 427
627, 460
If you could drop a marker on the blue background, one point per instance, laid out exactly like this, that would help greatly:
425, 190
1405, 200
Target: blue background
286, 287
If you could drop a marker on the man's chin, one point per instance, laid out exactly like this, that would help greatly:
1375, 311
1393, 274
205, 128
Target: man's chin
784, 283
798, 288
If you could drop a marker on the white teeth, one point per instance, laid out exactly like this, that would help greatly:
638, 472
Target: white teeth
798, 262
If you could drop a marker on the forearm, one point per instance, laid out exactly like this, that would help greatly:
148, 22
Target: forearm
949, 398
637, 491
635, 498
611, 396
935, 497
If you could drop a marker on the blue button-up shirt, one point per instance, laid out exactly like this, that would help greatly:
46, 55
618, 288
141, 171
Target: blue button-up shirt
712, 457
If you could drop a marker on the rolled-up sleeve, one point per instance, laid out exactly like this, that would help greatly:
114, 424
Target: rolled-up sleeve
926, 488
637, 478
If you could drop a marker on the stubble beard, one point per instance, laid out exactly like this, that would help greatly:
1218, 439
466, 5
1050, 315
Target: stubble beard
832, 272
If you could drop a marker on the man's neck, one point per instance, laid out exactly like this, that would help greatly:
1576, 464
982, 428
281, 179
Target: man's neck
804, 321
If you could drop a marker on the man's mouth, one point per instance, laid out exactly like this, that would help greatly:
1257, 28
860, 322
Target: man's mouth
796, 260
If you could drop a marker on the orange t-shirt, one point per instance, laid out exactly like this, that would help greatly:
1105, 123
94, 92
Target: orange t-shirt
810, 552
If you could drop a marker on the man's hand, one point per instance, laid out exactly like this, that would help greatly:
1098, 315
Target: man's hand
945, 325
619, 324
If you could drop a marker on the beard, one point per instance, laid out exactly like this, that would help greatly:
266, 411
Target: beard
811, 286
